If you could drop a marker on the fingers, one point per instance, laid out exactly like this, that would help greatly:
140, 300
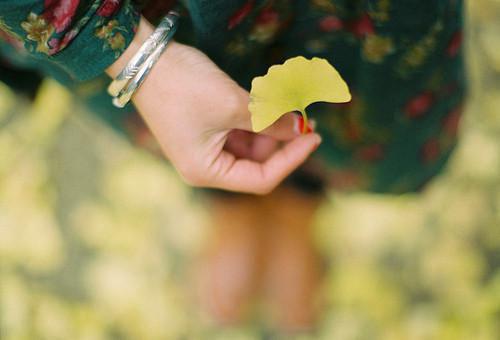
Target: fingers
256, 147
263, 147
286, 128
289, 126
244, 175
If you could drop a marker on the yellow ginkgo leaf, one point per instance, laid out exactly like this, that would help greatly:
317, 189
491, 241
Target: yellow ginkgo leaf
292, 87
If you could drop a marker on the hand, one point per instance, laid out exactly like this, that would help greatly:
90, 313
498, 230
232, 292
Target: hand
200, 118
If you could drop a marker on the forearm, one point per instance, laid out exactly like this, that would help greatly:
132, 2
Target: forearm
144, 30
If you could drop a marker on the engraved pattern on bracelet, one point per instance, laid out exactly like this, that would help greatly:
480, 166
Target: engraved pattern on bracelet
135, 80
144, 52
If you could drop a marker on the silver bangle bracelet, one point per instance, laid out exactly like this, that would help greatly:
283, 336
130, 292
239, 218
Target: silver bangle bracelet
133, 75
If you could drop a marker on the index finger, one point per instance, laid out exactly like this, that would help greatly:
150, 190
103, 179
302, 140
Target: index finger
287, 127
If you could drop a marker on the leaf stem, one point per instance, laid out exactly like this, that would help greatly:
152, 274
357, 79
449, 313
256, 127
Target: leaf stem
305, 121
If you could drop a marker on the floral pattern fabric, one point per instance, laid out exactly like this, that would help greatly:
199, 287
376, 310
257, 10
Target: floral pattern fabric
403, 61
62, 34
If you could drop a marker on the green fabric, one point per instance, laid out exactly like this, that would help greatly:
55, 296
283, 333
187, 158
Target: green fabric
69, 40
403, 61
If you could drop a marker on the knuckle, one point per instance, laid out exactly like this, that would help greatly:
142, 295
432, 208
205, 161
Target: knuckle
233, 101
235, 105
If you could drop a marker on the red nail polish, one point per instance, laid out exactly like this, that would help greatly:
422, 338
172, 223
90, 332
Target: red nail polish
309, 127
301, 123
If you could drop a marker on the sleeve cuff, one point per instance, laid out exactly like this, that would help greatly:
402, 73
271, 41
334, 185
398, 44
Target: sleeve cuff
96, 44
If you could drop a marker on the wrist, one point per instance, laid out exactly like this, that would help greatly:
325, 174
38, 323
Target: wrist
144, 30
132, 68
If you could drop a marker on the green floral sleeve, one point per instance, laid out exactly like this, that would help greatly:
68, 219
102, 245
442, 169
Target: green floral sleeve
82, 37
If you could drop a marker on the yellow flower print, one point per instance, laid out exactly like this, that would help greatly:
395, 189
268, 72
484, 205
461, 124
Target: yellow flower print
418, 54
106, 31
264, 33
381, 11
237, 47
325, 5
110, 34
117, 41
39, 31
316, 46
266, 26
375, 48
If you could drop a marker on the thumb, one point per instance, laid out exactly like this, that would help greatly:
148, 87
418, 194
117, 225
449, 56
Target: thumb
249, 176
287, 127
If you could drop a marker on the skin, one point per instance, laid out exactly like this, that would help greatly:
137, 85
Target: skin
200, 118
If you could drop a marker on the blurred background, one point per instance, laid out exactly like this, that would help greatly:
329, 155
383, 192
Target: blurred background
97, 237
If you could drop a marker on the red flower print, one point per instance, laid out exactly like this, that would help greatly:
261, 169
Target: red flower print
362, 27
268, 16
330, 23
58, 44
266, 25
68, 37
454, 44
430, 151
59, 13
370, 153
419, 105
240, 14
54, 46
108, 8
452, 121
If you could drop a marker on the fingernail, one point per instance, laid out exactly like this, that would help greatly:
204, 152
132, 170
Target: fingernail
318, 141
298, 123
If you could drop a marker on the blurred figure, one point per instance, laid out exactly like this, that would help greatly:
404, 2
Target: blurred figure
262, 248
